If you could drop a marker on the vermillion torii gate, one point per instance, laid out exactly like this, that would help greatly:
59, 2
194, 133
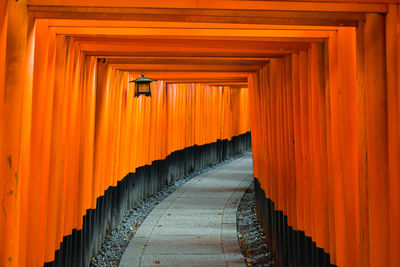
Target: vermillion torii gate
323, 100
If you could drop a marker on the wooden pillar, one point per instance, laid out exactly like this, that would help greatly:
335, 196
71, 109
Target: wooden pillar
377, 139
348, 117
362, 148
329, 182
393, 97
318, 127
305, 141
15, 107
100, 129
336, 158
51, 212
40, 144
266, 118
3, 53
297, 142
291, 143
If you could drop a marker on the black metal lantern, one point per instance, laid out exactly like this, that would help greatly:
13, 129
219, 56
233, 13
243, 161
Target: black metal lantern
142, 86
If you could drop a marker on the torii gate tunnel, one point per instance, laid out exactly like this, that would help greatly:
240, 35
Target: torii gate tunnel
315, 81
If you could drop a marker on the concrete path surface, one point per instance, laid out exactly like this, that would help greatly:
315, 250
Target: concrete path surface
195, 225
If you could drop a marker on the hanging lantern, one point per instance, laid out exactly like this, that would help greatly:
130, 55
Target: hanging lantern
142, 86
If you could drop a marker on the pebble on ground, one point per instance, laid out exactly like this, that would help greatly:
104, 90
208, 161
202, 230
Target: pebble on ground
253, 244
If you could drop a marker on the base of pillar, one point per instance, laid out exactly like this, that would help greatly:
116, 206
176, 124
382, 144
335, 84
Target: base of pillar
291, 248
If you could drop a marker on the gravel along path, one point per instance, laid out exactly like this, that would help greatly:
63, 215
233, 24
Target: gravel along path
118, 239
255, 249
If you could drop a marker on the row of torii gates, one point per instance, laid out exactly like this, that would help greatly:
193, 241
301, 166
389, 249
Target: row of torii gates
315, 81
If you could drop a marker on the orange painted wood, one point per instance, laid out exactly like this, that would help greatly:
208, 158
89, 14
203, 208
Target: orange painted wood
3, 52
236, 5
347, 97
90, 132
329, 168
377, 139
392, 67
319, 151
323, 101
14, 125
299, 211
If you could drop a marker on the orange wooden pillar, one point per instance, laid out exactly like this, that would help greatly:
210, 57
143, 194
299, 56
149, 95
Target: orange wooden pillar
3, 61
347, 92
16, 50
319, 137
392, 30
38, 179
329, 144
377, 139
291, 161
305, 141
299, 211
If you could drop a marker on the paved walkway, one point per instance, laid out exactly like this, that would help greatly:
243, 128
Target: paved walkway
195, 225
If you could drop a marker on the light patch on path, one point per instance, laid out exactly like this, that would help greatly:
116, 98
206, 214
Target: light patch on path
195, 225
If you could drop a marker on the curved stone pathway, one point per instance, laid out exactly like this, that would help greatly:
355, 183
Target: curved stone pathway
195, 225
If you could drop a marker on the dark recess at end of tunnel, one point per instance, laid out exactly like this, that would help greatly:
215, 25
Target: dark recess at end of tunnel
77, 249
291, 248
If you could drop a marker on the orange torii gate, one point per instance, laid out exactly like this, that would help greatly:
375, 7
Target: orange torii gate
324, 114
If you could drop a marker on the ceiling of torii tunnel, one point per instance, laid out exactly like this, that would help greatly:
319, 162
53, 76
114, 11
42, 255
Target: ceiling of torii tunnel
196, 40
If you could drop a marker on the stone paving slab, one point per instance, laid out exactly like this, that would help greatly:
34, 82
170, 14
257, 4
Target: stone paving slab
195, 225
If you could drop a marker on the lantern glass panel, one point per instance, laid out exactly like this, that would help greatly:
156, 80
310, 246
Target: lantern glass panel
143, 87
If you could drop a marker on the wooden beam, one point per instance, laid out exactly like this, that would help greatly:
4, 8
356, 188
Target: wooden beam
188, 60
210, 4
180, 67
101, 38
106, 31
199, 15
195, 43
239, 84
198, 44
194, 77
204, 80
188, 25
123, 50
190, 50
